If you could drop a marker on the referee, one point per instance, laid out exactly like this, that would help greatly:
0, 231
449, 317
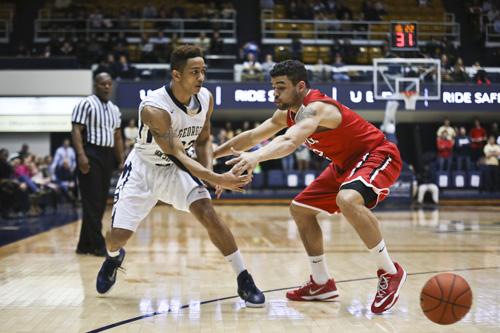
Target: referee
97, 139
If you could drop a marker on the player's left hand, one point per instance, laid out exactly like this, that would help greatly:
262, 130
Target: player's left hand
242, 162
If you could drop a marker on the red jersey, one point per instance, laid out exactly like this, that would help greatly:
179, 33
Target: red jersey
345, 144
444, 147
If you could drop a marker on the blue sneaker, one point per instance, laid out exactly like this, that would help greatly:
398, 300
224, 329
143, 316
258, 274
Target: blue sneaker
106, 277
253, 297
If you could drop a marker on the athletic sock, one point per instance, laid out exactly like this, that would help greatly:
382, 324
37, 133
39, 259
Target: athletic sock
113, 254
382, 259
319, 270
236, 261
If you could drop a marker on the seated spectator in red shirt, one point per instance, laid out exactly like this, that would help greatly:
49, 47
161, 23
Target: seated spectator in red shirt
444, 151
478, 138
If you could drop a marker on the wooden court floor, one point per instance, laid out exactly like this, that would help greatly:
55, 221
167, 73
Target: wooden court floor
176, 281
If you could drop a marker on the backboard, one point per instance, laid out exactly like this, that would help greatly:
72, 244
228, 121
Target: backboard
392, 77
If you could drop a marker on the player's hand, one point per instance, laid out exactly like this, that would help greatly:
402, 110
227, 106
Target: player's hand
83, 164
233, 182
242, 162
218, 191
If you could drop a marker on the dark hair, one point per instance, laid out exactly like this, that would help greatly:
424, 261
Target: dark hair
181, 54
294, 70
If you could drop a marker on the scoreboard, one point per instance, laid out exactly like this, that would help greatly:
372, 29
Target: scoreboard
404, 36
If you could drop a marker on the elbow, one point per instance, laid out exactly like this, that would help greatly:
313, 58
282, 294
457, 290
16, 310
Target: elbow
291, 144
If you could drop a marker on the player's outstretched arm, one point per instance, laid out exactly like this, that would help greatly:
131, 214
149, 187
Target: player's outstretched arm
203, 145
307, 121
250, 138
159, 124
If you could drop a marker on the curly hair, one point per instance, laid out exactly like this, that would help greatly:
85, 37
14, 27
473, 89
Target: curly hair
181, 54
294, 70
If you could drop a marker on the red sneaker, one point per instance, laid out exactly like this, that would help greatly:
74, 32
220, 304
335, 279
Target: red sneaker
311, 291
388, 289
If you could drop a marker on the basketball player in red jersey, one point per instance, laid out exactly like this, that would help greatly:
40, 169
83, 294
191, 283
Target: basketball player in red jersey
364, 164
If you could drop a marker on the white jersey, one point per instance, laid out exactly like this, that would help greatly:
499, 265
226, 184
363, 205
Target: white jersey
187, 122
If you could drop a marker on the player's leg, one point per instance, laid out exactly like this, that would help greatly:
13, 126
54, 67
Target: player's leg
367, 184
223, 239
133, 201
318, 196
320, 286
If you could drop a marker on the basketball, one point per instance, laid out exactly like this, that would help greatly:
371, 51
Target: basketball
446, 298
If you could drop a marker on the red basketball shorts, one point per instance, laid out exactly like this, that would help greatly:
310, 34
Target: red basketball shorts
377, 169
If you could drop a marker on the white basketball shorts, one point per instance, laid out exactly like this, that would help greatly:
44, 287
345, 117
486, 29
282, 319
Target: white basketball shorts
142, 184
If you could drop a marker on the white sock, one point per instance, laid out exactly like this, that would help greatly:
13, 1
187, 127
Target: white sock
319, 270
113, 254
381, 256
236, 261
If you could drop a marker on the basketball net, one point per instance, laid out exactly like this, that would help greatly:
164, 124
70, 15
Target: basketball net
410, 97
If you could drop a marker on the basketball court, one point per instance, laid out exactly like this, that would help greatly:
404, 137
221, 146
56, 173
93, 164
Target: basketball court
177, 281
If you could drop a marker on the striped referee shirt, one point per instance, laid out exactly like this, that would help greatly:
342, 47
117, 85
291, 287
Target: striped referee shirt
100, 119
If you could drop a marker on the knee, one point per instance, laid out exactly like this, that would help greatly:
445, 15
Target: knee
348, 200
302, 215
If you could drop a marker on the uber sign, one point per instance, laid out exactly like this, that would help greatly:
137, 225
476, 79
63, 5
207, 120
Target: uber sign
358, 96
251, 95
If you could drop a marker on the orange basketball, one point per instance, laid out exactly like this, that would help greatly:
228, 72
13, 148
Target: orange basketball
446, 298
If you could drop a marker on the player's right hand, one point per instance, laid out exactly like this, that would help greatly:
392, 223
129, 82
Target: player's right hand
230, 181
83, 164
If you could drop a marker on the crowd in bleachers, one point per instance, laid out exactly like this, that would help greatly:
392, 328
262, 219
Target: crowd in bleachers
475, 151
30, 184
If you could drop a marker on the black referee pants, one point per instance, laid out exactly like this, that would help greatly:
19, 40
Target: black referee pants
94, 187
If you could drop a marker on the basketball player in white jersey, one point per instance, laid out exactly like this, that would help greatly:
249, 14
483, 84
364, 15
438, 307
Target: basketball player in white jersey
174, 122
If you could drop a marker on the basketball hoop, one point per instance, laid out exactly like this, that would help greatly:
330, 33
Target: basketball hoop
410, 97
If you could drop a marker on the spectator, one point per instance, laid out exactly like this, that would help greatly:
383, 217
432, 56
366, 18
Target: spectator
64, 153
250, 47
25, 151
149, 11
107, 65
427, 183
343, 12
22, 172
267, 4
96, 19
67, 49
446, 127
303, 157
481, 76
478, 138
494, 130
252, 69
458, 71
445, 68
444, 151
130, 132
216, 43
463, 150
147, 49
13, 195
202, 42
338, 64
320, 72
267, 66
125, 70
492, 154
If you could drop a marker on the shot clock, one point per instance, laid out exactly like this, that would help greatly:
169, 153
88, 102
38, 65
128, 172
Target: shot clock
404, 36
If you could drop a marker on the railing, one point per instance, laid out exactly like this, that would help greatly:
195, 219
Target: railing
359, 32
492, 36
363, 71
186, 29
